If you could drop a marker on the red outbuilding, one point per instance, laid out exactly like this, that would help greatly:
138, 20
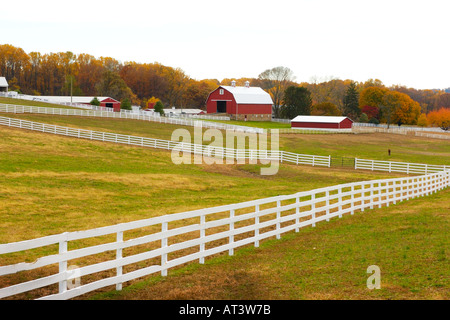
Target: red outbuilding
110, 103
321, 122
241, 103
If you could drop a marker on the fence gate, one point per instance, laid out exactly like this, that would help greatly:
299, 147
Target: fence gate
342, 162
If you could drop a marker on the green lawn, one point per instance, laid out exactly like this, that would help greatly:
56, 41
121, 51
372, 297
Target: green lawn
367, 146
22, 102
51, 184
409, 243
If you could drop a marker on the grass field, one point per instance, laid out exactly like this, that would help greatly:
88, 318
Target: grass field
408, 242
22, 102
368, 146
51, 184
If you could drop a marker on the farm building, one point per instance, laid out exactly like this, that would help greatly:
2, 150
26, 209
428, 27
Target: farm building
106, 102
3, 84
241, 103
321, 122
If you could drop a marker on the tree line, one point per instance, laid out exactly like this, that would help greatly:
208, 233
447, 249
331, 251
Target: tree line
66, 73
369, 101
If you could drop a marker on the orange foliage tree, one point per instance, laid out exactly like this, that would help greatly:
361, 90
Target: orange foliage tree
440, 118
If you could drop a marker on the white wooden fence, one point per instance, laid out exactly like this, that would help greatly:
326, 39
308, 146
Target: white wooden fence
403, 167
217, 229
9, 108
204, 150
394, 128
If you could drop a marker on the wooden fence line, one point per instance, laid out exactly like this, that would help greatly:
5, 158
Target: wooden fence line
204, 150
314, 206
8, 108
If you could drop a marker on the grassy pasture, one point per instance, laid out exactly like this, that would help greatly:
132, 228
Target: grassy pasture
368, 146
407, 241
51, 184
22, 102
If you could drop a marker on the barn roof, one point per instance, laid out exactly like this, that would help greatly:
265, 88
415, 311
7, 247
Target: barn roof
321, 119
3, 82
249, 95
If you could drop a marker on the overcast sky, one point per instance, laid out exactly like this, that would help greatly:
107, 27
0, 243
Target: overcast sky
403, 42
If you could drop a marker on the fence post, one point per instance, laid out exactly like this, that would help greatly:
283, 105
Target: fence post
278, 218
256, 225
231, 237
313, 209
164, 228
118, 258
352, 197
297, 212
340, 201
63, 266
371, 195
202, 235
327, 203
363, 201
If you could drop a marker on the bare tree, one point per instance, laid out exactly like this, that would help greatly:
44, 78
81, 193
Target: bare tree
275, 81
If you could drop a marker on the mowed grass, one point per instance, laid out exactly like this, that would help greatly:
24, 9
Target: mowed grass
51, 184
407, 241
366, 146
22, 102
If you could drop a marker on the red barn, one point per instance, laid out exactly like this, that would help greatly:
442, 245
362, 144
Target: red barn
241, 103
110, 103
106, 102
321, 122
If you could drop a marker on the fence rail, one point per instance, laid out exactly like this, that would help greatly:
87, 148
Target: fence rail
403, 167
265, 218
393, 128
8, 108
198, 149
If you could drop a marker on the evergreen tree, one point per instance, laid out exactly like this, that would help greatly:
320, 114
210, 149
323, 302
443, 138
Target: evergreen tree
297, 101
159, 107
125, 104
95, 102
351, 102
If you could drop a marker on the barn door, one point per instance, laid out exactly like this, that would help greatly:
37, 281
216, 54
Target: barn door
221, 106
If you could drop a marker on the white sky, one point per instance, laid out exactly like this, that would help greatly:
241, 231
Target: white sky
403, 42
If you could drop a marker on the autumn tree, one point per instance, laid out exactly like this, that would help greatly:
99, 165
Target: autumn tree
325, 109
177, 83
440, 118
332, 90
371, 112
422, 121
112, 85
275, 81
